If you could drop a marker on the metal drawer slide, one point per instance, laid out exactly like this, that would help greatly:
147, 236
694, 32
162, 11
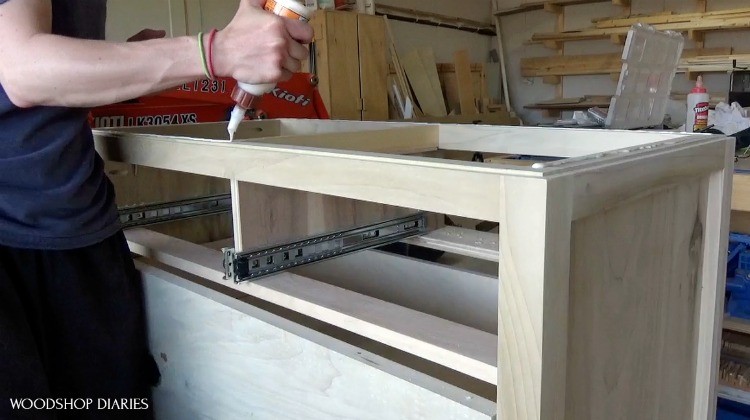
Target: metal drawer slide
246, 266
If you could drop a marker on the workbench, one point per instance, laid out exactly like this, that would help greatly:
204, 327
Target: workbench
598, 294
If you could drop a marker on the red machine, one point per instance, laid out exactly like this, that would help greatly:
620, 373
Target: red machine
210, 101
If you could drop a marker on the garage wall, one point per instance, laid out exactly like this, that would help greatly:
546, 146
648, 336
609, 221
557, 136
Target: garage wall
517, 29
216, 14
408, 35
444, 41
127, 17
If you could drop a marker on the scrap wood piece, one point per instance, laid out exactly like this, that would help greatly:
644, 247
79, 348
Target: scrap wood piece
424, 79
563, 101
484, 90
449, 82
585, 102
430, 65
464, 83
503, 68
401, 79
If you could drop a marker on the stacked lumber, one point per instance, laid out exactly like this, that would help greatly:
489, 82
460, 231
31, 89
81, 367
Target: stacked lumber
447, 90
685, 22
692, 61
668, 17
734, 368
718, 63
420, 87
735, 374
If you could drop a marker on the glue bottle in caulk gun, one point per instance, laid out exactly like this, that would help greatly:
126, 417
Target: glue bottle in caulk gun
246, 95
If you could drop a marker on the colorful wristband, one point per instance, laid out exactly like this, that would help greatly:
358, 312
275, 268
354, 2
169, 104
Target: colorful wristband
211, 37
203, 55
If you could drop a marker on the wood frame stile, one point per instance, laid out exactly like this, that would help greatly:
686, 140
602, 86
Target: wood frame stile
610, 261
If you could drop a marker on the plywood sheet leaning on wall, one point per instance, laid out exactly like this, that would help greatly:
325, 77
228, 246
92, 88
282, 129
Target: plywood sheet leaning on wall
421, 70
464, 84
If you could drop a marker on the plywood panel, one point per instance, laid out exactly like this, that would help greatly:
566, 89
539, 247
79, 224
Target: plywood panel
268, 216
634, 286
199, 229
141, 185
434, 289
137, 185
464, 83
373, 65
420, 65
223, 358
740, 222
741, 192
454, 346
336, 49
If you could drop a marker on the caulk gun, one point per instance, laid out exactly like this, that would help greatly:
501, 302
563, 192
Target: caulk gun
246, 95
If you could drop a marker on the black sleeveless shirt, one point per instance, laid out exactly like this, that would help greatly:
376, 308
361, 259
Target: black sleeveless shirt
53, 190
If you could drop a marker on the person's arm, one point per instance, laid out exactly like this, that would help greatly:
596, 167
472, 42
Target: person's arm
38, 68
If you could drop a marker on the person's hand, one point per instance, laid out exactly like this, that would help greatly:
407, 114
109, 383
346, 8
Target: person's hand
259, 47
147, 34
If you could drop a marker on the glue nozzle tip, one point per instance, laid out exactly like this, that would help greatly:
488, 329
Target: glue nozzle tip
238, 113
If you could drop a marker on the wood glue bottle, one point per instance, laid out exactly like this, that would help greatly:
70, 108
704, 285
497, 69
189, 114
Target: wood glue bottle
697, 108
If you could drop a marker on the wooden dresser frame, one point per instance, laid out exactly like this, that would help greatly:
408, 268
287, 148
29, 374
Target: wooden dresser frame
610, 259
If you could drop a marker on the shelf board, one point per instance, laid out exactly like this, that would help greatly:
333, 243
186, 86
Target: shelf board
733, 394
583, 104
737, 324
692, 24
539, 5
590, 64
